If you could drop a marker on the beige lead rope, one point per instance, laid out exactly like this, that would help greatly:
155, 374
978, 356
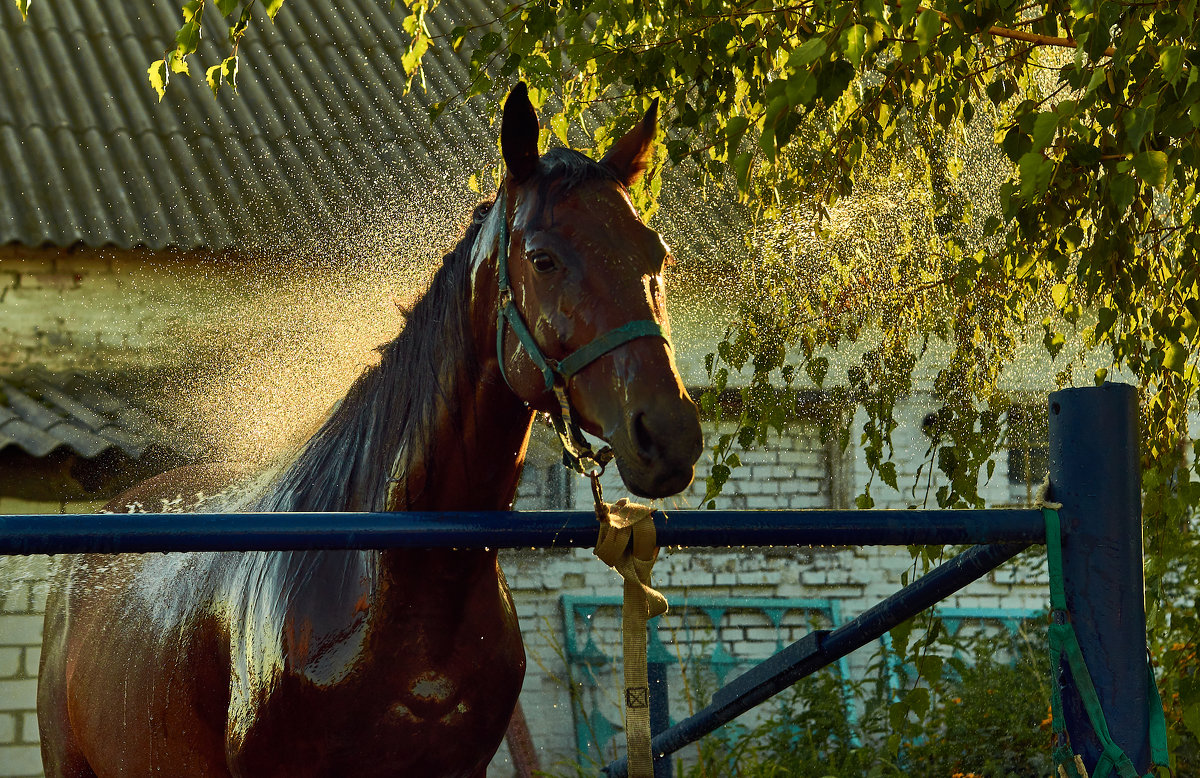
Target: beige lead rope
627, 544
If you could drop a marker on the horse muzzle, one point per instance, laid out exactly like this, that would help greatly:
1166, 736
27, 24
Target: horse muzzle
657, 446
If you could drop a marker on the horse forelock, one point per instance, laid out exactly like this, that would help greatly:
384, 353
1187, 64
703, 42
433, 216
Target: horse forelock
562, 170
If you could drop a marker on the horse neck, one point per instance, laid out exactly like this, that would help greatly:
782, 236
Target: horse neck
432, 427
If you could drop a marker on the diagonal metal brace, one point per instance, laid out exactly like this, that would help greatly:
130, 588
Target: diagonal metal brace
823, 647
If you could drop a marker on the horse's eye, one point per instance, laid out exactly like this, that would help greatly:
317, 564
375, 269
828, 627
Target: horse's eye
543, 262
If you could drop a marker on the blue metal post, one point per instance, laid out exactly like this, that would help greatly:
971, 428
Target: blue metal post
659, 715
1095, 474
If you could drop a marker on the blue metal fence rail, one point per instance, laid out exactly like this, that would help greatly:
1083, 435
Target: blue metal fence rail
147, 532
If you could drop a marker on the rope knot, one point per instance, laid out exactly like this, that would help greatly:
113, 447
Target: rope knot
627, 544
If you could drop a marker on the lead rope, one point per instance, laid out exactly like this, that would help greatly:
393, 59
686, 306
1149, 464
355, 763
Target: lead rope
627, 544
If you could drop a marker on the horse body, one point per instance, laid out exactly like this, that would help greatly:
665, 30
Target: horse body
377, 663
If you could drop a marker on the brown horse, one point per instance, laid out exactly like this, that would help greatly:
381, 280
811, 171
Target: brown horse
397, 662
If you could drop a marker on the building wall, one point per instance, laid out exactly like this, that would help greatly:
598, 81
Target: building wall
80, 308
23, 588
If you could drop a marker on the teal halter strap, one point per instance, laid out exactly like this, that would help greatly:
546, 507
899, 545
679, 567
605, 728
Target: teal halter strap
577, 452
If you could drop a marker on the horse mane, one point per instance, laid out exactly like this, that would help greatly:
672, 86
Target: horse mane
392, 406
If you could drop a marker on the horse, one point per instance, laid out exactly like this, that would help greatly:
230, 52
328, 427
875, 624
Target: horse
394, 662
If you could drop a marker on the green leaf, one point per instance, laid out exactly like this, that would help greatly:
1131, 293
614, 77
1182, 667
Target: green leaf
887, 474
177, 64
1061, 294
1151, 167
157, 73
1171, 62
559, 124
918, 700
812, 49
817, 368
188, 37
227, 7
1044, 127
1137, 123
874, 10
1189, 698
900, 636
1054, 342
855, 44
411, 59
1001, 89
490, 42
1105, 318
1175, 357
1035, 175
929, 25
213, 77
192, 10
23, 7
1122, 188
272, 7
741, 165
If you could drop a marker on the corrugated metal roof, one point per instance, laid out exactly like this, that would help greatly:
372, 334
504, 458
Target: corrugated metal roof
89, 155
44, 413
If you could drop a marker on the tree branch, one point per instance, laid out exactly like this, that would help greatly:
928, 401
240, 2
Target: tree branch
1017, 35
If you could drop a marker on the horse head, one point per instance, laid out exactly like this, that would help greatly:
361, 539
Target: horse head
578, 309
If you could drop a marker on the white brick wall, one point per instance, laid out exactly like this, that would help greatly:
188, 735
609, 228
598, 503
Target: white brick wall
22, 581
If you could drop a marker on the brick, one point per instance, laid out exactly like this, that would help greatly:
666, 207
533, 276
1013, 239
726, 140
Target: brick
37, 601
8, 728
10, 661
33, 656
17, 598
83, 262
26, 262
56, 281
20, 760
18, 695
20, 630
29, 728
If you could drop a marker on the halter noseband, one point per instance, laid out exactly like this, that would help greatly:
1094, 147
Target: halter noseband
577, 452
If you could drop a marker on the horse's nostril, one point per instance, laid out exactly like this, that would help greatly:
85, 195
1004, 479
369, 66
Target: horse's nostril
642, 437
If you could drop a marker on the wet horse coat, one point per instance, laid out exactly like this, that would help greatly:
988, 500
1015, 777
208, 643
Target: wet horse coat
398, 662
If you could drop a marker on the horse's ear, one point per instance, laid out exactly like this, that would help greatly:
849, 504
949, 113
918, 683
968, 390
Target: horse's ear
519, 134
630, 156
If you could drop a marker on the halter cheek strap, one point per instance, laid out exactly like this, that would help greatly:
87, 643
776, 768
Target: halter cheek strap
577, 452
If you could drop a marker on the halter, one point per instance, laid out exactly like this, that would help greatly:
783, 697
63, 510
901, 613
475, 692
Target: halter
577, 452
